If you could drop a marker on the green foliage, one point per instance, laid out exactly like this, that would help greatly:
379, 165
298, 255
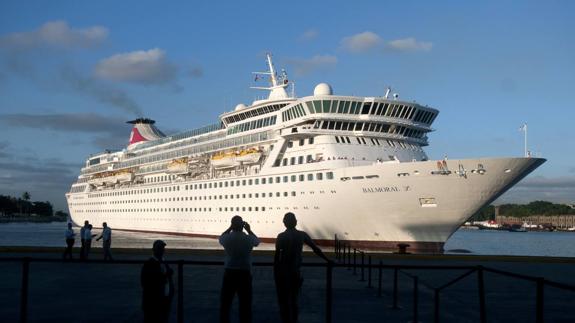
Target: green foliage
484, 214
535, 208
11, 206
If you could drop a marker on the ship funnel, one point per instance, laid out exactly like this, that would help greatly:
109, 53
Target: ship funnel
143, 131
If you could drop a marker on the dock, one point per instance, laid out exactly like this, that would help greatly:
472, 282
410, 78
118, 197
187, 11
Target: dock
472, 290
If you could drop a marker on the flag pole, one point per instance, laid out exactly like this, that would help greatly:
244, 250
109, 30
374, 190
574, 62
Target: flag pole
525, 138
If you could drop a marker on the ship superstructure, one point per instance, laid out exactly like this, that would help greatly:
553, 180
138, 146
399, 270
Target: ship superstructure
345, 165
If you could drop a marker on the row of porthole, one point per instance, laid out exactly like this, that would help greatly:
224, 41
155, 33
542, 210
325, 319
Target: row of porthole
221, 184
195, 198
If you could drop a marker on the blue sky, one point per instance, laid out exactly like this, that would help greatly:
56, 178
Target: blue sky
72, 72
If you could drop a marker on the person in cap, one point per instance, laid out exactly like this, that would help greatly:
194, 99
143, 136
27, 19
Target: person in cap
238, 264
287, 263
157, 286
69, 242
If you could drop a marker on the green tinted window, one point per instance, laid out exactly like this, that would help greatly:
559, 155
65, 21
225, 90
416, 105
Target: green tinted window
317, 106
346, 107
310, 107
334, 106
326, 106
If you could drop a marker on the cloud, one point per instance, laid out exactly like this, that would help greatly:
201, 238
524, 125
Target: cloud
54, 34
144, 67
307, 66
309, 35
100, 91
360, 43
408, 45
553, 189
73, 122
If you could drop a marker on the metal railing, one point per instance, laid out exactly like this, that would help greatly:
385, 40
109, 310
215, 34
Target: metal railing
343, 253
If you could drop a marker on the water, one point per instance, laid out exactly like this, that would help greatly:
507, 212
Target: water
479, 242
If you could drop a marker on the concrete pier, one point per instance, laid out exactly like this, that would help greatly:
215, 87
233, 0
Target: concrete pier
97, 292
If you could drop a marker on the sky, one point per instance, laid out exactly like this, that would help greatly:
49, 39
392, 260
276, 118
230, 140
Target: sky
73, 72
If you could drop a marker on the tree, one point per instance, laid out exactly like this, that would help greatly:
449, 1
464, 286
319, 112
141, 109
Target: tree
26, 198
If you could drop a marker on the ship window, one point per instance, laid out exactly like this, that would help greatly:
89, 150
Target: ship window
333, 108
243, 196
302, 142
301, 178
293, 178
326, 106
309, 159
285, 179
310, 107
337, 139
319, 176
284, 162
310, 141
277, 194
324, 125
250, 182
292, 161
257, 181
358, 126
300, 160
285, 193
329, 175
317, 106
278, 180
290, 144
365, 109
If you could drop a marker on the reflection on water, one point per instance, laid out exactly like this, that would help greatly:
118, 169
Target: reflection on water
480, 242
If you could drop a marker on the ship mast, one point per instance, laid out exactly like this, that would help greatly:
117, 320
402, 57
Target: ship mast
277, 89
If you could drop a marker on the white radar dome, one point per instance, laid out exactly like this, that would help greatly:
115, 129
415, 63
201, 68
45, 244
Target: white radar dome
322, 89
240, 107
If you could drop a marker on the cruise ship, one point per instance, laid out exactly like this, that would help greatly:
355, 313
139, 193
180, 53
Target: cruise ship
345, 165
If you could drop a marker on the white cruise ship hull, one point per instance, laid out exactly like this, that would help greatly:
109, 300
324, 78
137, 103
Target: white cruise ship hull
373, 206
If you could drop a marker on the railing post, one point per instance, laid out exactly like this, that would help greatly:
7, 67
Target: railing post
540, 295
328, 292
395, 291
415, 299
349, 257
481, 291
335, 247
180, 291
24, 290
362, 267
379, 274
369, 272
436, 305
354, 261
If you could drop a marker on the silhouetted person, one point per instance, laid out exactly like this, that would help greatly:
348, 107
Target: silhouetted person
88, 240
83, 246
287, 263
69, 242
107, 236
238, 265
157, 286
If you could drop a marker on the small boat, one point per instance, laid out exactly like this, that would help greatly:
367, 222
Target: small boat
517, 228
178, 166
224, 160
249, 156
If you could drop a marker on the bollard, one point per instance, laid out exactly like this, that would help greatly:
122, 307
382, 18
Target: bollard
415, 299
24, 290
180, 291
481, 291
436, 305
328, 292
540, 295
354, 261
369, 272
379, 274
362, 267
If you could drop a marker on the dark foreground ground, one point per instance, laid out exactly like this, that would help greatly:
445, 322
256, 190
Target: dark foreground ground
95, 292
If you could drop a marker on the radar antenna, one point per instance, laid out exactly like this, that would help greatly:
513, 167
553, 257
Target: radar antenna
277, 89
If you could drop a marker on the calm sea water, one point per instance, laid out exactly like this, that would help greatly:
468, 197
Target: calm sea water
480, 242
